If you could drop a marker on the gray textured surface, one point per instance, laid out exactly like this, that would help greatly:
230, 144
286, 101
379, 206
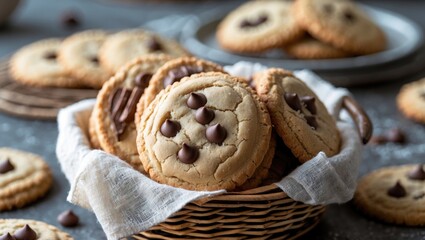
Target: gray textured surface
40, 19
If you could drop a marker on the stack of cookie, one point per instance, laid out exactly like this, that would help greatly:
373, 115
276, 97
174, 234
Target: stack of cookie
186, 123
86, 59
306, 29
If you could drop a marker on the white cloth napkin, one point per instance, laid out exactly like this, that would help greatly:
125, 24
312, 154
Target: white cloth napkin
127, 202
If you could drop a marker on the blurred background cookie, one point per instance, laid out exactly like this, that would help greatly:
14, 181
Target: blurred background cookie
411, 100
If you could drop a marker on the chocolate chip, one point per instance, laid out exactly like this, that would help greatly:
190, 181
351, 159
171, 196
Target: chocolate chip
378, 139
216, 134
254, 23
68, 219
245, 24
50, 55
397, 191
311, 120
328, 8
70, 19
7, 236
417, 173
142, 80
95, 60
188, 154
204, 115
419, 196
349, 16
25, 233
127, 114
6, 166
196, 100
177, 74
395, 135
293, 101
153, 45
170, 128
309, 103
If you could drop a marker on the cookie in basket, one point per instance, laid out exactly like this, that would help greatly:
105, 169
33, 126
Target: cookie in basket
124, 46
113, 114
258, 26
78, 54
310, 48
298, 115
24, 177
342, 24
36, 65
411, 100
170, 73
394, 194
15, 229
207, 132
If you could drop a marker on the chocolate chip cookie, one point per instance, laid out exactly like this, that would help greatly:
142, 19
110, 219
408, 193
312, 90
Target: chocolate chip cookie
310, 48
207, 132
26, 229
411, 100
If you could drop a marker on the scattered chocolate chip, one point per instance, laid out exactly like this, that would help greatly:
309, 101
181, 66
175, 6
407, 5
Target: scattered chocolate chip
95, 60
6, 166
204, 115
142, 80
153, 45
68, 219
50, 55
7, 236
216, 134
170, 128
417, 173
328, 8
188, 154
349, 16
293, 101
395, 135
25, 233
419, 196
378, 139
70, 19
309, 103
397, 191
196, 100
311, 120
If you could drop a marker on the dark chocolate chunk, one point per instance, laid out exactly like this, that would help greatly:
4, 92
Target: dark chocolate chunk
395, 135
70, 19
397, 191
68, 219
25, 233
254, 23
170, 128
349, 16
293, 101
309, 103
127, 114
7, 236
50, 55
216, 134
177, 74
311, 120
95, 60
6, 166
188, 154
245, 24
142, 80
122, 108
417, 173
196, 100
204, 115
153, 45
328, 8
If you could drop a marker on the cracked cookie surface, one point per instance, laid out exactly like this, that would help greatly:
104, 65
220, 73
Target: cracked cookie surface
31, 229
298, 115
207, 132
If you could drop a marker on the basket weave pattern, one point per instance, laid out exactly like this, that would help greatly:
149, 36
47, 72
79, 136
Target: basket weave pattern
260, 213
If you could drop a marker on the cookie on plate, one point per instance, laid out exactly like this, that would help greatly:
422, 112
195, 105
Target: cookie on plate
340, 23
411, 100
124, 46
115, 107
298, 115
30, 230
170, 73
24, 177
258, 26
207, 132
36, 65
78, 54
394, 194
310, 48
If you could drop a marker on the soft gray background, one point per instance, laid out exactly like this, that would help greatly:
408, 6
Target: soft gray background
38, 19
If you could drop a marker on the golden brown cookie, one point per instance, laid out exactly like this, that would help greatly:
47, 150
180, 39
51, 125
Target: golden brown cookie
78, 54
298, 115
24, 177
30, 230
124, 46
207, 132
310, 48
394, 194
116, 105
36, 65
411, 100
340, 23
258, 26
